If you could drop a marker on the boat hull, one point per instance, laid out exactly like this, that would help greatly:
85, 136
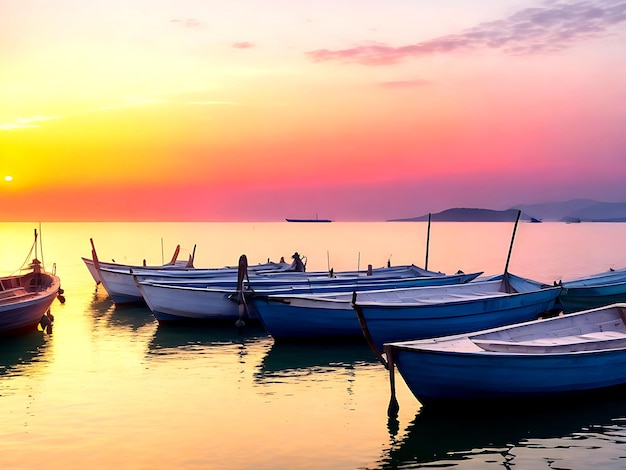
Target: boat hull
186, 305
574, 299
292, 318
566, 355
396, 322
23, 315
299, 320
439, 376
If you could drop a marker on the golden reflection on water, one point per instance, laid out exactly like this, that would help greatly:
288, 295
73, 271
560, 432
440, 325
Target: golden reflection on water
111, 388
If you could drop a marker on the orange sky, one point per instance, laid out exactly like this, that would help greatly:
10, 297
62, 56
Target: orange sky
189, 110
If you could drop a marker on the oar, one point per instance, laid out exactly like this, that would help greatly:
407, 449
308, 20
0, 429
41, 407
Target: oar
392, 409
427, 242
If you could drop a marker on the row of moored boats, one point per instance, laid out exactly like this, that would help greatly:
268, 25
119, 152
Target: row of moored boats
453, 337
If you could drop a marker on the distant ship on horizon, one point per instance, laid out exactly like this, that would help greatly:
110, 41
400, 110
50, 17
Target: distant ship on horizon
316, 219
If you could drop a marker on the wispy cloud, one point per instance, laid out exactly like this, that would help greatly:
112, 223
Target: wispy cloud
552, 27
34, 122
406, 83
243, 45
131, 102
212, 103
25, 123
190, 23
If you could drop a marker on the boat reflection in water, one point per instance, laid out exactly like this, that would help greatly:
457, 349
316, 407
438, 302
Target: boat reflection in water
285, 361
593, 426
173, 339
17, 353
106, 315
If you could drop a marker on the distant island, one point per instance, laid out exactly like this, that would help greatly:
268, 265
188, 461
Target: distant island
572, 211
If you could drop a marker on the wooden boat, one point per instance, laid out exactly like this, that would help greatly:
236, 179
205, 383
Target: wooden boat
217, 299
319, 315
594, 291
26, 298
446, 310
91, 264
560, 356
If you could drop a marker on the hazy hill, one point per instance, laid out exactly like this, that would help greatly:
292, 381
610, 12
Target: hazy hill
585, 210
468, 215
575, 210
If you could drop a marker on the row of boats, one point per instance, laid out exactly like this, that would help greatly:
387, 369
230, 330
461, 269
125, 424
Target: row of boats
452, 337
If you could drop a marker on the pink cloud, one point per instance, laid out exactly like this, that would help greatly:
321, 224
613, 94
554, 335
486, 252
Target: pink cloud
552, 27
243, 45
189, 23
405, 83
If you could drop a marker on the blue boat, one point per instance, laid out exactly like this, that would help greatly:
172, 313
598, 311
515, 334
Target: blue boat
448, 310
565, 355
594, 291
326, 312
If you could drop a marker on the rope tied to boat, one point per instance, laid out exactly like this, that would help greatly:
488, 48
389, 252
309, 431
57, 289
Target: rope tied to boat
46, 322
386, 360
366, 332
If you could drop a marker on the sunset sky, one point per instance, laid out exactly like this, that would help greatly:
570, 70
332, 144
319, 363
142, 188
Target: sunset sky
134, 110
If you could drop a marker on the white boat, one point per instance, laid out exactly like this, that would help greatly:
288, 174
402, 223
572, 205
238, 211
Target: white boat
217, 300
121, 284
26, 298
93, 270
117, 279
560, 356
94, 263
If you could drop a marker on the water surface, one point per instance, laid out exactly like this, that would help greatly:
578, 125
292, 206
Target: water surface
112, 389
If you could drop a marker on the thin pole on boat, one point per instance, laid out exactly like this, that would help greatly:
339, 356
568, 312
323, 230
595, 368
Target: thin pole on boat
192, 257
392, 409
427, 242
35, 230
175, 255
358, 262
43, 264
328, 260
94, 255
508, 258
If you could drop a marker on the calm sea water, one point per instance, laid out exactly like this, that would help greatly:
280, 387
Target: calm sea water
112, 389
